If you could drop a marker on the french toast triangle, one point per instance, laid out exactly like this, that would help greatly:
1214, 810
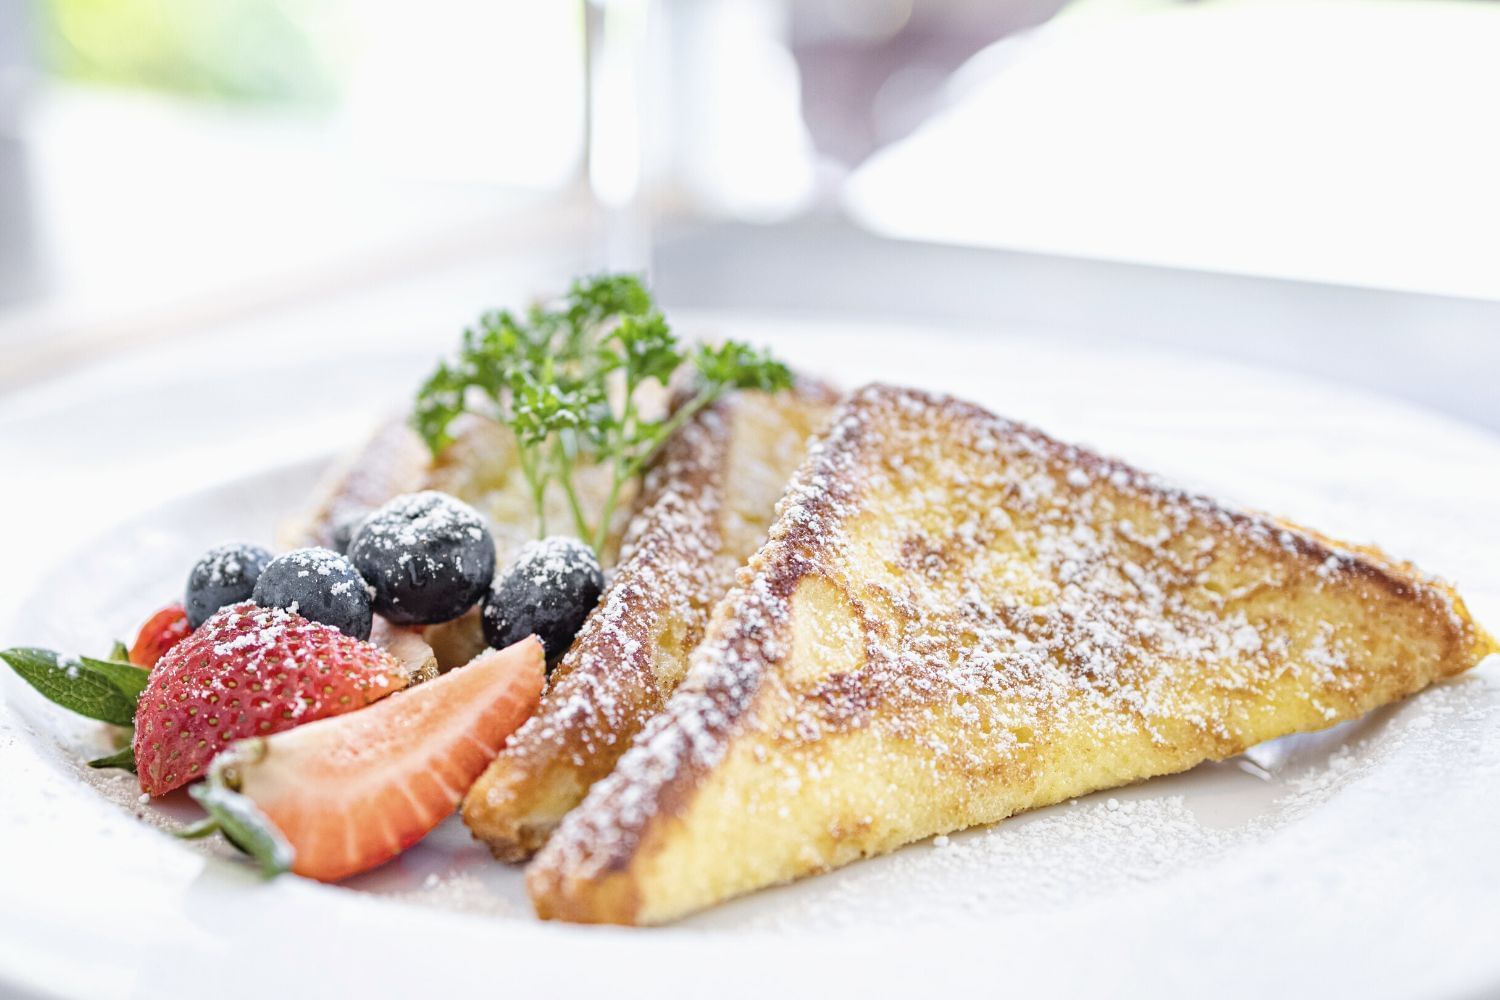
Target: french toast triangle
956, 618
704, 510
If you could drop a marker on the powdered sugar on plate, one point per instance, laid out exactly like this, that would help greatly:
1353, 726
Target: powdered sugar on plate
1309, 827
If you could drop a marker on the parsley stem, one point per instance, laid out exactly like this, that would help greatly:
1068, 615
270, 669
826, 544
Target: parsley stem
607, 514
683, 414
538, 485
565, 469
618, 474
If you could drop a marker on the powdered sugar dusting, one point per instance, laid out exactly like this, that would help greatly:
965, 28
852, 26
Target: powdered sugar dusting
666, 565
550, 561
415, 520
423, 529
992, 608
705, 506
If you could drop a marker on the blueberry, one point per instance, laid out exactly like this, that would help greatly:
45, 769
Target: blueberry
548, 591
428, 556
225, 575
320, 585
345, 525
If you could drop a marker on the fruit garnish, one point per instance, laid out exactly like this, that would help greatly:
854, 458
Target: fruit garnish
124, 758
225, 575
241, 823
547, 591
333, 798
249, 671
106, 690
428, 557
564, 377
162, 631
320, 585
345, 524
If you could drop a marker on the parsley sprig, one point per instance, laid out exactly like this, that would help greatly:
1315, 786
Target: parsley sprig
564, 378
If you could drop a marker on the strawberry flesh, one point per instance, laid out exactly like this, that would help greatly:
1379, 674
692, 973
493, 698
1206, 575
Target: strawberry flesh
353, 792
249, 671
162, 631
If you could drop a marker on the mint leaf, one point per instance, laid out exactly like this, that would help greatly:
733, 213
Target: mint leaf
127, 678
123, 759
78, 686
243, 825
119, 652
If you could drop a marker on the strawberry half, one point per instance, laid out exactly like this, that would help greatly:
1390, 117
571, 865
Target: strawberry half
162, 631
249, 671
350, 793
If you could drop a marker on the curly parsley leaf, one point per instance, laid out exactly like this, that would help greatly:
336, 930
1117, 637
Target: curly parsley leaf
440, 400
649, 346
563, 378
737, 365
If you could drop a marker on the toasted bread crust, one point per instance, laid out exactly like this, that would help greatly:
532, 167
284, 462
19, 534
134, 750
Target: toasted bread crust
705, 508
957, 618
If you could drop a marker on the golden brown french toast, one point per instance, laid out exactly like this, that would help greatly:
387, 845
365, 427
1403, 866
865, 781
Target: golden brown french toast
704, 510
956, 618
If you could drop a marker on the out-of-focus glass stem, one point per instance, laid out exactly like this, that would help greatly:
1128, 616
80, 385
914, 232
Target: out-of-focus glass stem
618, 45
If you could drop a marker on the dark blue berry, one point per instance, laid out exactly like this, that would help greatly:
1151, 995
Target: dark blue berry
320, 585
547, 591
428, 556
225, 575
345, 525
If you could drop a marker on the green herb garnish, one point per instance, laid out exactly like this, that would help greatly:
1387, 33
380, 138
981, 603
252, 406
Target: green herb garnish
124, 758
236, 816
99, 689
564, 378
107, 690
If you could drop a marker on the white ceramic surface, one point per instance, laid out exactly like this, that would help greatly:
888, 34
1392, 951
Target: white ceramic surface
1357, 860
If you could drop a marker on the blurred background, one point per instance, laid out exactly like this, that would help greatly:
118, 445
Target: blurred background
1305, 184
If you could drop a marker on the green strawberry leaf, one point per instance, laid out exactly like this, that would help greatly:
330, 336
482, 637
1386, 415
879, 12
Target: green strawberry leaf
205, 827
119, 652
124, 759
80, 685
243, 825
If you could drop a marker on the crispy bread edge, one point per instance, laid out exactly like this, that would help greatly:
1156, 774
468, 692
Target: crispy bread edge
566, 746
742, 648
687, 472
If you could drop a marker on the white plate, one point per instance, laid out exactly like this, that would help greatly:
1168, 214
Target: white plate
1358, 859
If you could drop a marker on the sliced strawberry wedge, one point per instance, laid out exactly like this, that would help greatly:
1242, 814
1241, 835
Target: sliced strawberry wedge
351, 792
162, 631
